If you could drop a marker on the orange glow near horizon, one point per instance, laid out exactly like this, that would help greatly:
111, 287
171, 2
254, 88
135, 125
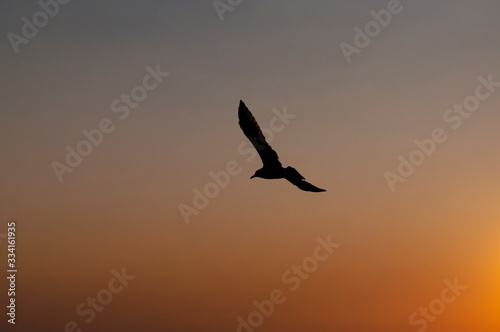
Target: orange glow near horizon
200, 259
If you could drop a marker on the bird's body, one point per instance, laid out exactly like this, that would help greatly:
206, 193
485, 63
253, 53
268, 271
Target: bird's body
270, 173
272, 168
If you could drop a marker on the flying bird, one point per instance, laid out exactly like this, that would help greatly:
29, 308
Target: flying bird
272, 168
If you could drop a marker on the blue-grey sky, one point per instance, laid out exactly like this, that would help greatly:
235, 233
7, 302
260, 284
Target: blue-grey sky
120, 206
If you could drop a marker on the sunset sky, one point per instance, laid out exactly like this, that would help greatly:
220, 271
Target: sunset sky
156, 86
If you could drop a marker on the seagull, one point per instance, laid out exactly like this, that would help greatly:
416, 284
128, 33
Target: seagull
271, 168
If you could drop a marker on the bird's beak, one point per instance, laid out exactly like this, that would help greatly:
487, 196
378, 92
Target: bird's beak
252, 176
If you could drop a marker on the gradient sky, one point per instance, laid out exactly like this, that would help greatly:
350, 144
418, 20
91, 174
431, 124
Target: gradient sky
120, 207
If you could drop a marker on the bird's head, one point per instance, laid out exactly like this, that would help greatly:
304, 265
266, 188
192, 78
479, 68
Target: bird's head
256, 175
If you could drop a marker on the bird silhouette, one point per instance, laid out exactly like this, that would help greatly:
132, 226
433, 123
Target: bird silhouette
272, 168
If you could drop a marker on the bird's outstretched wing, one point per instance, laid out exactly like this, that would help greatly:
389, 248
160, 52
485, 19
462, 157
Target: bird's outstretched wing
295, 178
252, 131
